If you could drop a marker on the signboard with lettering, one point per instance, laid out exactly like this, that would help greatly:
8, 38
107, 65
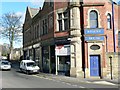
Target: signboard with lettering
94, 31
62, 50
99, 38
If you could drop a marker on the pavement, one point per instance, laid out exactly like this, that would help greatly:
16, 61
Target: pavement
79, 80
106, 81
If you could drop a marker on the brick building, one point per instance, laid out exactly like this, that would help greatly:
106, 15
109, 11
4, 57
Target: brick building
73, 38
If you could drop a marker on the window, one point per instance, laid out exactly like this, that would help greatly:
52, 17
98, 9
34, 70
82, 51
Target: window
119, 39
60, 25
65, 24
45, 27
51, 3
93, 19
109, 21
60, 16
34, 32
63, 21
37, 31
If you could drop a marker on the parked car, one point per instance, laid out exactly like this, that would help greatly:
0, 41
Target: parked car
5, 65
29, 67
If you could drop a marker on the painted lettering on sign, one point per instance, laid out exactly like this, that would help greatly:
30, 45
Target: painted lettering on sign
94, 31
62, 50
100, 38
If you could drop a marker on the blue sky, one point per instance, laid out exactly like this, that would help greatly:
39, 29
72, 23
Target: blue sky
7, 6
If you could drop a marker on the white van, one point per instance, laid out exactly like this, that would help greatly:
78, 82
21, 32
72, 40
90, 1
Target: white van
29, 66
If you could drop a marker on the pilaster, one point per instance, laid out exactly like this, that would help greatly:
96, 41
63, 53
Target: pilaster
75, 34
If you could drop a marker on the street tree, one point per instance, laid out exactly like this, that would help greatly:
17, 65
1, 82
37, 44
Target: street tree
11, 29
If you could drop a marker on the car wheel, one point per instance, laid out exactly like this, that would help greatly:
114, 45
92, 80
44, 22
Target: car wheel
20, 69
27, 72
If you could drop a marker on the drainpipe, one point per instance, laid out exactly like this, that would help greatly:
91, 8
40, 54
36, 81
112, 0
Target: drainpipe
82, 38
114, 40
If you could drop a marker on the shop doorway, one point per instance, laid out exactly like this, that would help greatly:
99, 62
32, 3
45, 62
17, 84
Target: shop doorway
64, 65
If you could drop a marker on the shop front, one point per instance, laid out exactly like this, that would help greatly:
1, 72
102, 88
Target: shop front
63, 59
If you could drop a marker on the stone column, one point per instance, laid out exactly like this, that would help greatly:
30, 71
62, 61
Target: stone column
75, 34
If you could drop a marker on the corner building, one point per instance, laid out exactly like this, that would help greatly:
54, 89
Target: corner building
74, 38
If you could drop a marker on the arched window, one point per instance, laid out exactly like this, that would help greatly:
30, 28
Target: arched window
93, 19
109, 21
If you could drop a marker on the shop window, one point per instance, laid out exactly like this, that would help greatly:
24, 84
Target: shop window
108, 21
93, 19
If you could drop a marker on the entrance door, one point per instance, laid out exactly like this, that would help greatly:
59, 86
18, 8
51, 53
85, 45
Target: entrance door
94, 65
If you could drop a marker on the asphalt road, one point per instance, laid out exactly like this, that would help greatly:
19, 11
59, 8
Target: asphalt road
16, 79
13, 79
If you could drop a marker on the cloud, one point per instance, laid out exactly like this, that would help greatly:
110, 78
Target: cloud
21, 14
37, 2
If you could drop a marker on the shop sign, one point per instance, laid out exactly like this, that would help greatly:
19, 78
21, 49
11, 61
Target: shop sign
94, 31
98, 38
62, 50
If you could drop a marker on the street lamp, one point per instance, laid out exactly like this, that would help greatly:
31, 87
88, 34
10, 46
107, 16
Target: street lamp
111, 66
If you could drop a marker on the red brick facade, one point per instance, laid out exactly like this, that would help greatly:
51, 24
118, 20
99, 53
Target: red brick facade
50, 13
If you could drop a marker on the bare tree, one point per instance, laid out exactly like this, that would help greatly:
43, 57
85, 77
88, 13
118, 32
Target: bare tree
11, 29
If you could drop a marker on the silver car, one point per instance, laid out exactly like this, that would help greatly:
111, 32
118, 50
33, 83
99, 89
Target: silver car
5, 65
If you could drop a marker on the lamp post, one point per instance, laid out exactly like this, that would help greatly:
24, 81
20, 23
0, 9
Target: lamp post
111, 66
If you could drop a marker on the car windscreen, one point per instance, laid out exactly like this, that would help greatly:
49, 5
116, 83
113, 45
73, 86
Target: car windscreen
5, 63
30, 64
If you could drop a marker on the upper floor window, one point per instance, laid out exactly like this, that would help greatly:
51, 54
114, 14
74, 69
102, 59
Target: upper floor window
63, 22
119, 39
45, 26
93, 19
109, 21
51, 3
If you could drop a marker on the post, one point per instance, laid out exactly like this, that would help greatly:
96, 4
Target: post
49, 60
56, 61
111, 66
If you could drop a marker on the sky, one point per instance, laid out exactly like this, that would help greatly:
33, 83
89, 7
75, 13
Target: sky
19, 7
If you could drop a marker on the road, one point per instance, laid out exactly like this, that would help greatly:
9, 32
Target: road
16, 79
13, 79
